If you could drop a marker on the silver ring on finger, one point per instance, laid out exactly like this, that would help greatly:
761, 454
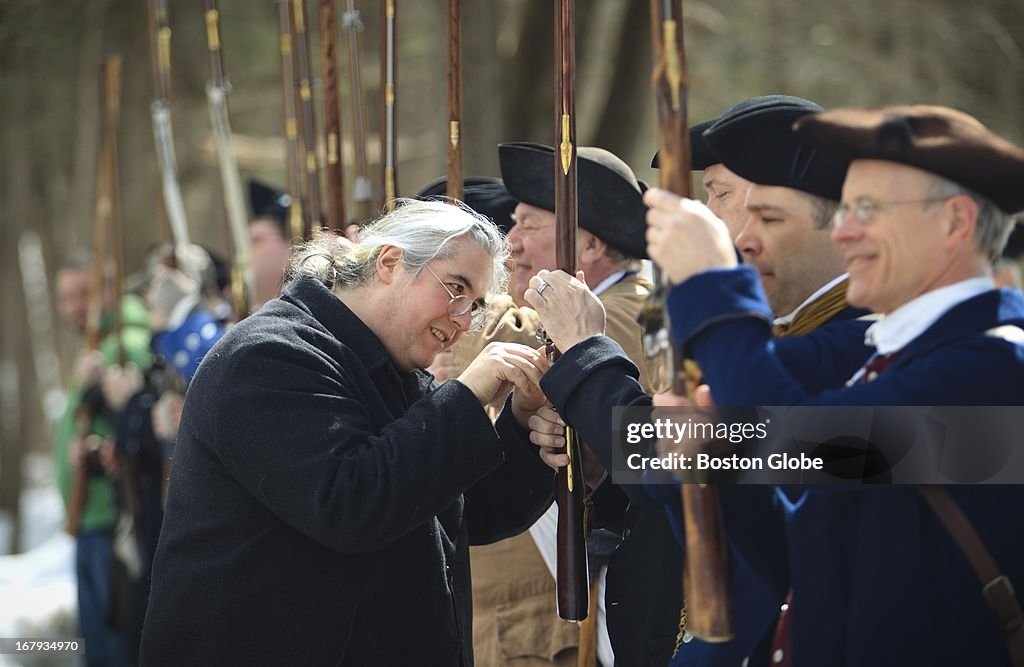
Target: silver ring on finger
542, 286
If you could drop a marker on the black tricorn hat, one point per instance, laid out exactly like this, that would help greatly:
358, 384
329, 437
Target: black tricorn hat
1014, 248
268, 202
609, 195
701, 156
755, 140
484, 194
939, 140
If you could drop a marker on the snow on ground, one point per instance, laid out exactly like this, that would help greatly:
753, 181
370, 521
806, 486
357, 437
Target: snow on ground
37, 587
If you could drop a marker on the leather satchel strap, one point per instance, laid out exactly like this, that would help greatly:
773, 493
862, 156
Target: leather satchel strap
996, 588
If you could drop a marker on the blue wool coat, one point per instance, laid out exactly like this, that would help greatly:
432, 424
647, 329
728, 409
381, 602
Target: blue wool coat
876, 578
655, 558
322, 503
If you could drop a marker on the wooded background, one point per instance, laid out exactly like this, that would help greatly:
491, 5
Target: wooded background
966, 55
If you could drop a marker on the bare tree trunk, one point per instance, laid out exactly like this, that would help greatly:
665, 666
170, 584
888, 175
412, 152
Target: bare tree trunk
12, 332
628, 98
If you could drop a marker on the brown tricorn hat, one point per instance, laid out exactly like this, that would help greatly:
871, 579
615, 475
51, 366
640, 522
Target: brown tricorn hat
939, 140
610, 198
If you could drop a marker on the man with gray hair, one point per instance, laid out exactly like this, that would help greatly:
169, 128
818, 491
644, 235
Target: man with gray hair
325, 490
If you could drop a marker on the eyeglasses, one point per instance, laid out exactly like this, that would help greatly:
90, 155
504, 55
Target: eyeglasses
864, 209
461, 304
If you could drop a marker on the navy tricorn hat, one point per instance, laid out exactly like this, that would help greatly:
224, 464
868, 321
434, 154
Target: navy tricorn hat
484, 194
269, 202
609, 195
756, 140
939, 140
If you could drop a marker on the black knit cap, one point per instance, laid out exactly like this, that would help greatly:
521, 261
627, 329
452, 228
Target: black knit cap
939, 140
609, 195
758, 143
484, 194
269, 202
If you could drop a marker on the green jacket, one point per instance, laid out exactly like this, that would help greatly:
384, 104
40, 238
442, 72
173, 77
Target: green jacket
100, 510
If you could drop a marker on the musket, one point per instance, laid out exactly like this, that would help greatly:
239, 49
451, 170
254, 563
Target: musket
572, 577
332, 115
707, 604
291, 121
307, 118
362, 190
453, 34
163, 133
107, 206
113, 110
389, 129
217, 90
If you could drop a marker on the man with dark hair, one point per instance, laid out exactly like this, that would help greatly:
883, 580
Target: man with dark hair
793, 194
269, 237
83, 441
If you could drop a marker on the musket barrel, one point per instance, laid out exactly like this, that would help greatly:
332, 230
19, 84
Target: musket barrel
332, 115
163, 133
389, 74
453, 31
573, 583
291, 122
307, 118
362, 189
236, 218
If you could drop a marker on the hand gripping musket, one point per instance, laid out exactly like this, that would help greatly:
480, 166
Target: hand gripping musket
307, 118
291, 121
389, 122
706, 613
362, 190
231, 183
104, 229
336, 219
572, 577
163, 134
453, 32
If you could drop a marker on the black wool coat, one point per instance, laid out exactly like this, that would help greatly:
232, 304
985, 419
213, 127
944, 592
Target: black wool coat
321, 503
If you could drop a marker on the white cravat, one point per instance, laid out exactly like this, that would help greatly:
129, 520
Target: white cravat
896, 330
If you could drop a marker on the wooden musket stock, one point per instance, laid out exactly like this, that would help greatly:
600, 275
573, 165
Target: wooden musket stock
105, 227
705, 577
